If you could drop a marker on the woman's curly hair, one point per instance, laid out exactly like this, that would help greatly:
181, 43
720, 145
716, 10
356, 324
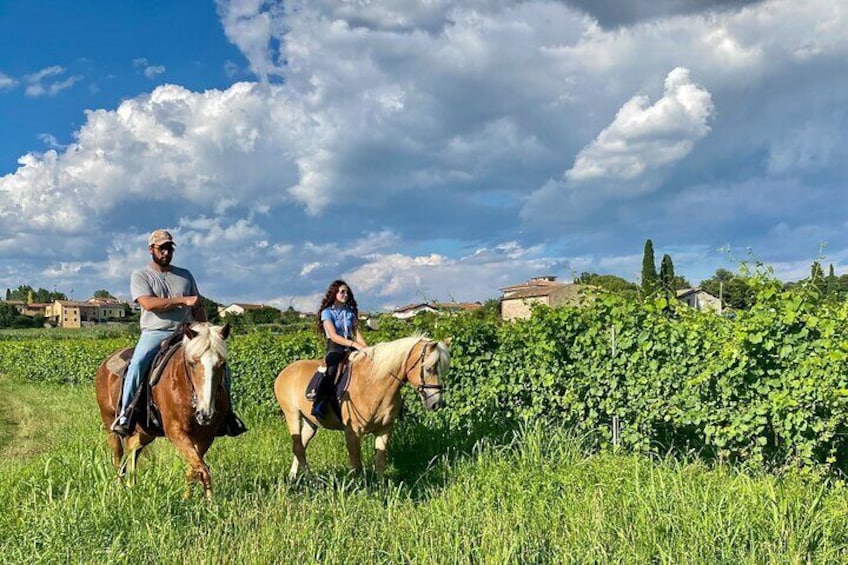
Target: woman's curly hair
330, 298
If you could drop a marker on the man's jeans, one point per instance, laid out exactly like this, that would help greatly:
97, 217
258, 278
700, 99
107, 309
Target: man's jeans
145, 351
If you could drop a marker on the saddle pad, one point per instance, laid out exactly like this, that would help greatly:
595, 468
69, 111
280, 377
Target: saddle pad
341, 386
160, 361
118, 363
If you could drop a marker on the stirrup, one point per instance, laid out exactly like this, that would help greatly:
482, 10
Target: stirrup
119, 429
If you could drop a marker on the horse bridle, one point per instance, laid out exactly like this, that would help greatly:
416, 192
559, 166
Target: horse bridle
423, 386
189, 381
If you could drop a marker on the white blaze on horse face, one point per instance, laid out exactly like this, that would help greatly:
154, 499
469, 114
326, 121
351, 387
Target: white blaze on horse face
206, 396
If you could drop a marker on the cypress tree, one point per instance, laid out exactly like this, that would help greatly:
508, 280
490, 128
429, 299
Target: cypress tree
817, 277
667, 273
649, 270
832, 289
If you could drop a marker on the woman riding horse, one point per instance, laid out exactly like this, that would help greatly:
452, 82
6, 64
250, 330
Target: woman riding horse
372, 402
338, 321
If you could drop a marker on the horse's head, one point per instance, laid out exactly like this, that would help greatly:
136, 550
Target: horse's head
428, 363
205, 350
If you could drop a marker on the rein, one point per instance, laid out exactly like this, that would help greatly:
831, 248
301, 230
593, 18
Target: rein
188, 380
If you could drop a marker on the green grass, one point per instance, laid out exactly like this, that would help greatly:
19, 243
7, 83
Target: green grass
96, 332
536, 496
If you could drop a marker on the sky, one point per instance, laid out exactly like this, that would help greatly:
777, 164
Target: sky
422, 151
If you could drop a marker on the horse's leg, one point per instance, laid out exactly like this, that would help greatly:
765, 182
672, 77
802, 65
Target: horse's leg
132, 447
381, 444
198, 471
354, 448
117, 447
299, 442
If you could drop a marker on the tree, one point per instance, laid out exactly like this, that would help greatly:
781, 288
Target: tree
290, 316
680, 282
8, 294
264, 315
667, 273
649, 270
491, 309
211, 308
832, 288
8, 313
103, 293
26, 292
817, 278
734, 290
611, 283
21, 293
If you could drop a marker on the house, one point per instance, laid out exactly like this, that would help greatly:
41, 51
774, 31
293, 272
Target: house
71, 314
457, 307
412, 310
30, 309
518, 299
238, 309
699, 299
108, 308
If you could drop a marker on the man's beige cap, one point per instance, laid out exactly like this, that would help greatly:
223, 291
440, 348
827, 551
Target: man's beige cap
160, 237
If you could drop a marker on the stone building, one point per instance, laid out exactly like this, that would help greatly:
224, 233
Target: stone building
517, 300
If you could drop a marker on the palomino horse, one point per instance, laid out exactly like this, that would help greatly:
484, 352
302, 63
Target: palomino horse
191, 399
372, 401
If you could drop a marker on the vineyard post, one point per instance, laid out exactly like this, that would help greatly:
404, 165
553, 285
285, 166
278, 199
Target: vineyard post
615, 423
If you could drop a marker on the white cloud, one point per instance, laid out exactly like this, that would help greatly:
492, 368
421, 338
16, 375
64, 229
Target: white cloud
148, 70
46, 83
309, 267
644, 137
393, 279
411, 133
251, 25
171, 145
7, 82
631, 155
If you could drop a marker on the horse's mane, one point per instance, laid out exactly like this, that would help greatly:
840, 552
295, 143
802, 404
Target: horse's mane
206, 340
387, 357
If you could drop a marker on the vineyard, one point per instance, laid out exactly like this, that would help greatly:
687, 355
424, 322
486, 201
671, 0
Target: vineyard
766, 389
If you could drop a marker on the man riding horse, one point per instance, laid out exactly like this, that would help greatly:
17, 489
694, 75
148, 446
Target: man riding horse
169, 298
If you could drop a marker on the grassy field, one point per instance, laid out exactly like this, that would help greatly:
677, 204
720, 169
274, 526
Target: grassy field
535, 496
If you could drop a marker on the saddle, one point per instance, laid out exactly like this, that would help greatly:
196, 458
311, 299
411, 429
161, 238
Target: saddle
340, 383
142, 409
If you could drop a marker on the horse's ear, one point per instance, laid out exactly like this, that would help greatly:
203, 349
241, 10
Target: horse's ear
225, 331
446, 341
188, 332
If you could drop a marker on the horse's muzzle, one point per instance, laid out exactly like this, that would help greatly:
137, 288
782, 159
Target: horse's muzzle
203, 418
434, 402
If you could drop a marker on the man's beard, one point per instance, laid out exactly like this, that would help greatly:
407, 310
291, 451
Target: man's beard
162, 261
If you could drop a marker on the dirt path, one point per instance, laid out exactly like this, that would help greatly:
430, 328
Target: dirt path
10, 417
31, 414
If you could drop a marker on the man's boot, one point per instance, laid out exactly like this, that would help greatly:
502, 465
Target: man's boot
232, 426
121, 426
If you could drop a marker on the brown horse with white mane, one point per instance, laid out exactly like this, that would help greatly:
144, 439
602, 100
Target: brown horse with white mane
372, 401
190, 396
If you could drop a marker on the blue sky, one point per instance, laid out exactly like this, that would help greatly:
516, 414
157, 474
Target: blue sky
437, 150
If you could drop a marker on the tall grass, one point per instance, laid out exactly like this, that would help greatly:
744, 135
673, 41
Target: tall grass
534, 496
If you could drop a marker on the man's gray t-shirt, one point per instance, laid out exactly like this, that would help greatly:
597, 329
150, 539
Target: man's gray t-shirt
170, 284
